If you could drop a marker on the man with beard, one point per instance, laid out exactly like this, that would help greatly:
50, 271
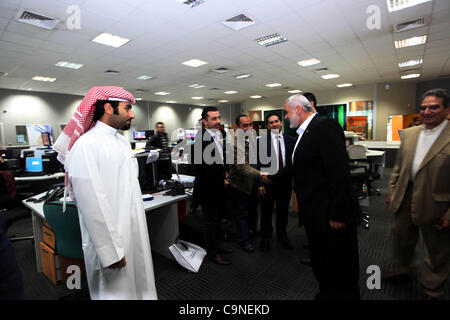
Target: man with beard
330, 211
102, 177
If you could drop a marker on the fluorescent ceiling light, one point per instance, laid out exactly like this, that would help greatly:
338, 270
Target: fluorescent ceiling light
330, 76
223, 101
414, 41
410, 63
256, 97
343, 85
295, 91
271, 40
194, 63
170, 101
196, 86
70, 65
138, 99
162, 93
110, 40
272, 85
410, 76
243, 76
309, 62
46, 79
197, 98
144, 77
395, 5
230, 92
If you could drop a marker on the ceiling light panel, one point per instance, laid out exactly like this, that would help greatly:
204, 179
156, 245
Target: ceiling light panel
273, 85
110, 40
144, 77
395, 5
410, 63
410, 76
194, 63
45, 79
309, 62
295, 91
256, 97
414, 41
243, 76
271, 40
197, 98
230, 92
330, 76
343, 85
69, 65
162, 93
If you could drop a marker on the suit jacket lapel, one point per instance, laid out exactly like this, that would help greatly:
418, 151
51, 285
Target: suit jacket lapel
442, 140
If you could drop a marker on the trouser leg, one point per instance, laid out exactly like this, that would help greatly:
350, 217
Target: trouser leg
241, 201
283, 197
252, 211
212, 216
405, 234
267, 203
436, 265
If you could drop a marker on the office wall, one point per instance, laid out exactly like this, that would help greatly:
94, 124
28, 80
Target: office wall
28, 107
392, 101
424, 86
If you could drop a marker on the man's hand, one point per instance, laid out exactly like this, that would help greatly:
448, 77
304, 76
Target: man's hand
264, 177
388, 200
336, 225
119, 264
262, 191
443, 224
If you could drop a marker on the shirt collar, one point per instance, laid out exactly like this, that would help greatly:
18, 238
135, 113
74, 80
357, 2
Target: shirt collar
305, 124
435, 129
105, 128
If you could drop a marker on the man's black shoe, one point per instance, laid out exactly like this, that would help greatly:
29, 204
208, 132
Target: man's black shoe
306, 261
224, 249
265, 245
220, 260
248, 248
286, 242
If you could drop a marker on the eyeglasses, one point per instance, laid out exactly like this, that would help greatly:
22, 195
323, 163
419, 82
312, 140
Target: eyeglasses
245, 125
431, 107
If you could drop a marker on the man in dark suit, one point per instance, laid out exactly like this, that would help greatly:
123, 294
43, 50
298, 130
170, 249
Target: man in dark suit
281, 189
330, 211
208, 157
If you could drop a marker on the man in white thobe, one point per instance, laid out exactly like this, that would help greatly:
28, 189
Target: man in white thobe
103, 178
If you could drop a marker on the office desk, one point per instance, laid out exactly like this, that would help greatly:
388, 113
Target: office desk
58, 175
162, 223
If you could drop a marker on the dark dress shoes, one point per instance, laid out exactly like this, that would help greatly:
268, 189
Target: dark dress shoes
286, 242
248, 247
220, 260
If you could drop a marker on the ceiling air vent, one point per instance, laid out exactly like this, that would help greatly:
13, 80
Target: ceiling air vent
112, 72
238, 22
36, 20
409, 25
321, 69
3, 74
191, 3
221, 70
214, 89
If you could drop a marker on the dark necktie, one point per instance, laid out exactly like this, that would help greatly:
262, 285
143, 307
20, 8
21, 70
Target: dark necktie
280, 156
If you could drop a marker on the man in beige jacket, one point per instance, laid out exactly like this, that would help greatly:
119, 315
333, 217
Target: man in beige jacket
419, 195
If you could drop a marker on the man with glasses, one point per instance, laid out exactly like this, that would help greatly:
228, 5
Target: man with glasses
419, 196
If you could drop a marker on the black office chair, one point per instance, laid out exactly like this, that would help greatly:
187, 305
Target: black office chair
10, 204
358, 158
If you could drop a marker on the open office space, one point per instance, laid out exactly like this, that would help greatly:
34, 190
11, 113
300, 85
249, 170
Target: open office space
367, 62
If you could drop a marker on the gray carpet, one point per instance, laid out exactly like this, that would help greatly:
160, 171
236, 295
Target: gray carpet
274, 275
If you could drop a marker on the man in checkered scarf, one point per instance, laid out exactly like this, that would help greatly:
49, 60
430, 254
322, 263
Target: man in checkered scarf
103, 178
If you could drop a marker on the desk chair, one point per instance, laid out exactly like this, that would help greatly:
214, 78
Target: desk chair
358, 158
66, 227
10, 204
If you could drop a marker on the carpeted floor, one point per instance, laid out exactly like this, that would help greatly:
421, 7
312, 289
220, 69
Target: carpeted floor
274, 275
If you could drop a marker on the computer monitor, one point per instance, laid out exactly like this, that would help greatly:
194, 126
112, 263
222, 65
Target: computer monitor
34, 164
139, 135
6, 154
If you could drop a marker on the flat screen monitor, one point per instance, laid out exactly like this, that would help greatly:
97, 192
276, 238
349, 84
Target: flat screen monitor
6, 154
34, 164
139, 135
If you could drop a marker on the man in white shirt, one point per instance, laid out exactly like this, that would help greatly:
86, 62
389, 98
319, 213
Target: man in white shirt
103, 179
419, 195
